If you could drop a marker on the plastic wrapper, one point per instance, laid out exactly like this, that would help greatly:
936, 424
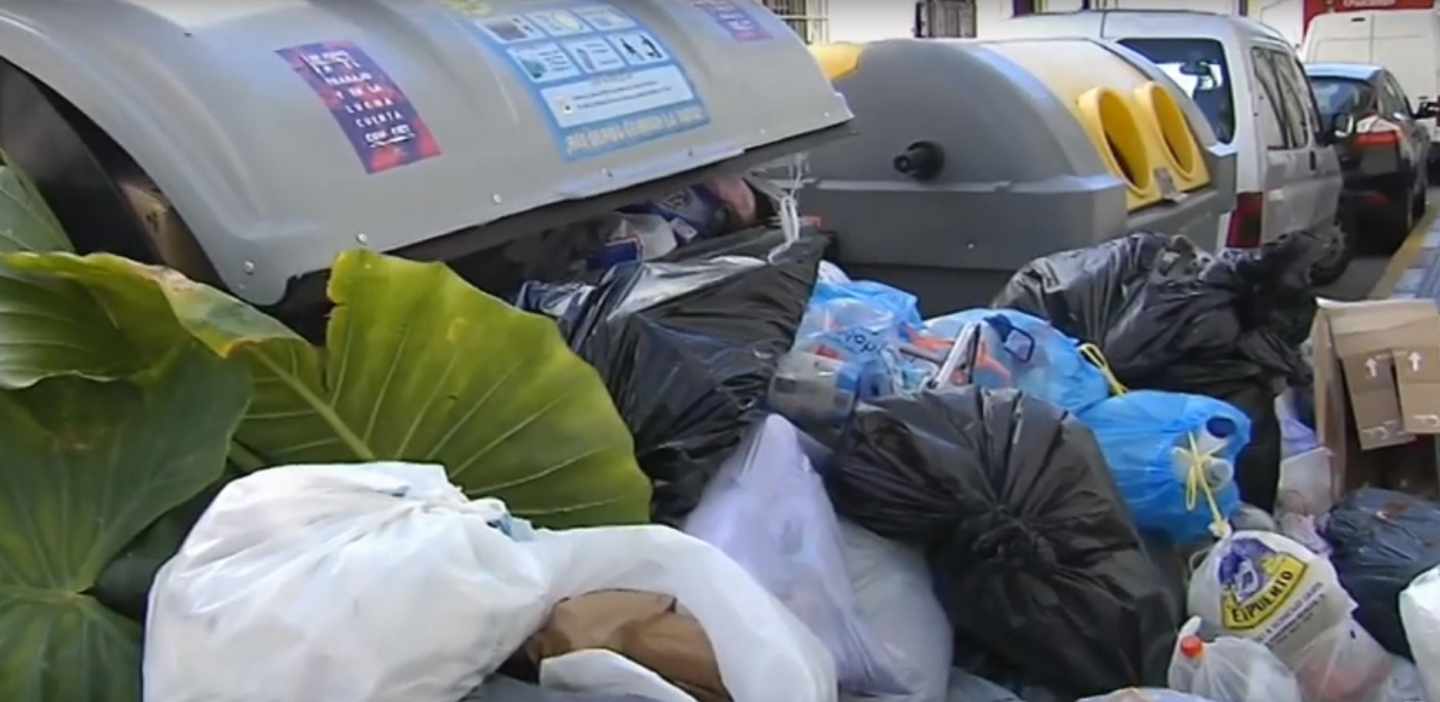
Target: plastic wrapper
767, 509
862, 325
1230, 669
687, 349
1160, 446
1170, 317
1034, 552
1382, 541
1009, 349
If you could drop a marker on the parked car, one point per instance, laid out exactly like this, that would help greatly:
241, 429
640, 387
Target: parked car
1383, 147
1405, 42
1249, 83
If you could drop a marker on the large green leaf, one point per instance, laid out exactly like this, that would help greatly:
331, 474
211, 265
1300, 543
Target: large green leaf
26, 221
48, 328
85, 467
419, 367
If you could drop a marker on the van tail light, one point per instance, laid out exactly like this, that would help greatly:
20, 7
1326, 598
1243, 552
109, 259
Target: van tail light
1370, 140
1245, 222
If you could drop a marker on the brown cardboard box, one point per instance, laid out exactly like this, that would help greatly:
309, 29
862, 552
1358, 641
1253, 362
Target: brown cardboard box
1353, 404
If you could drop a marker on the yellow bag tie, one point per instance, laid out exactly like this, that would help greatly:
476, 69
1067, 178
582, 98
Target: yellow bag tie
1195, 483
1095, 356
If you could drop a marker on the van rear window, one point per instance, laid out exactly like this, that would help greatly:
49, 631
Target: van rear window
1199, 67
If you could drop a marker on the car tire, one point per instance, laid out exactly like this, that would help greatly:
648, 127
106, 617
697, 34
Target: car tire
1335, 258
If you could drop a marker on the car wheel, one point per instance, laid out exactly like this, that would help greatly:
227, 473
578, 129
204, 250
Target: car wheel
1339, 248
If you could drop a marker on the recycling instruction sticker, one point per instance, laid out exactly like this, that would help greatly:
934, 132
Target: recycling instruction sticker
380, 122
604, 80
732, 16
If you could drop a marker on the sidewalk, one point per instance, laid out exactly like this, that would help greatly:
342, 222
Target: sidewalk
1414, 270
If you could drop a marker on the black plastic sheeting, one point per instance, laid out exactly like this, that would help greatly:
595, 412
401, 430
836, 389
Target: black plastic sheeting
1383, 540
1171, 317
687, 348
1035, 553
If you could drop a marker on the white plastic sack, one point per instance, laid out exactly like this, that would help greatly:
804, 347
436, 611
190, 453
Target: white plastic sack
1229, 669
382, 582
1265, 587
768, 510
896, 597
373, 583
763, 651
598, 671
1420, 612
1344, 664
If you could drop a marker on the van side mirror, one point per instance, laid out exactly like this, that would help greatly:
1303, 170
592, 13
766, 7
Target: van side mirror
1341, 127
1429, 109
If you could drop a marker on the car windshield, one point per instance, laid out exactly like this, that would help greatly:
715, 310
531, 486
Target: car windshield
1199, 67
1339, 96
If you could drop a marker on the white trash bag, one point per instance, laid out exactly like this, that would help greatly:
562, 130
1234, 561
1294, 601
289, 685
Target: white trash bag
383, 583
764, 652
768, 510
895, 592
1269, 589
1420, 613
374, 583
1229, 669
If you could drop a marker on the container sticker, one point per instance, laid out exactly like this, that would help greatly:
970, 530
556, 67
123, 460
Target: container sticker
1256, 582
733, 18
604, 80
381, 123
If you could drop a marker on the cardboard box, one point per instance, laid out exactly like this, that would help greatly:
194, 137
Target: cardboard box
1377, 367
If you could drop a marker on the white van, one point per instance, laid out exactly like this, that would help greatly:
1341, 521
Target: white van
1248, 82
1406, 42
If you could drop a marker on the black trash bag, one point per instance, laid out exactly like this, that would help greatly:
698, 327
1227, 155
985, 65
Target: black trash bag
1171, 317
687, 349
1383, 540
1036, 556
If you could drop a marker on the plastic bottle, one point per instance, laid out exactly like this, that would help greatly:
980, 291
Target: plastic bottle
1229, 669
1210, 440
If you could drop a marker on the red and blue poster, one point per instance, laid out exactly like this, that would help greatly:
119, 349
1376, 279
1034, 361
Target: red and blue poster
379, 120
734, 19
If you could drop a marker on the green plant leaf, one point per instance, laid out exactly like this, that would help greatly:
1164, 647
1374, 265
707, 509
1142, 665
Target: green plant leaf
419, 367
48, 328
26, 222
87, 466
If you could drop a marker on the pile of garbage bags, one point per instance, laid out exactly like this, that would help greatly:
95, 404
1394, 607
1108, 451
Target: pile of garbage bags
856, 503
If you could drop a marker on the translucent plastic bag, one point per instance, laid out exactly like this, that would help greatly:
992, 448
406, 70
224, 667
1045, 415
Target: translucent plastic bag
860, 323
1016, 350
380, 583
896, 597
1344, 664
1160, 446
1420, 611
768, 510
1229, 669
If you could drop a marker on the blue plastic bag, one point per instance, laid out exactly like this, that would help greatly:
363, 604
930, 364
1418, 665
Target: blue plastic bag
1147, 437
1016, 350
861, 324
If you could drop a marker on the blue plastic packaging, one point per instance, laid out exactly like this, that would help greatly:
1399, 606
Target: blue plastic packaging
1140, 432
1016, 350
861, 324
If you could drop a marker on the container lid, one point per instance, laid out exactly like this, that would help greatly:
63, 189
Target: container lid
287, 131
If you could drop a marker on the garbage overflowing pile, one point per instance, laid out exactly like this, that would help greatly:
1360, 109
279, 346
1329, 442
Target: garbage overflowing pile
698, 463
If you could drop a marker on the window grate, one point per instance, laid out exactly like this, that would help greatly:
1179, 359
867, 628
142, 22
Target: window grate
810, 19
